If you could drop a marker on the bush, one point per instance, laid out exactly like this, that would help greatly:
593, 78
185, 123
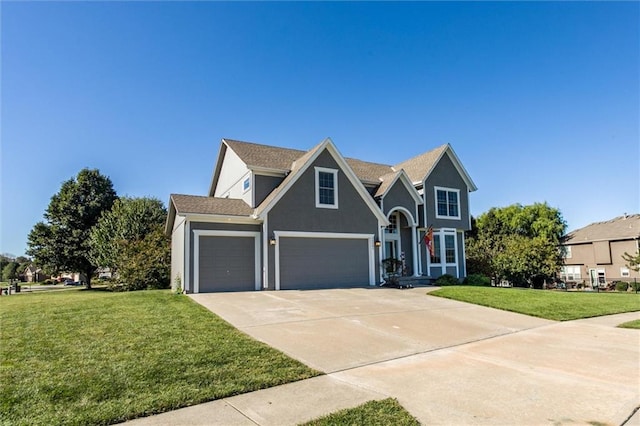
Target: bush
49, 282
621, 285
477, 279
635, 286
446, 279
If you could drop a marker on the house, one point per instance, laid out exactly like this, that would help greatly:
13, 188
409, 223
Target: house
33, 274
593, 254
278, 218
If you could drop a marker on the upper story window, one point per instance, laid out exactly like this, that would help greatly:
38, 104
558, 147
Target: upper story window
447, 203
326, 188
393, 225
567, 252
246, 184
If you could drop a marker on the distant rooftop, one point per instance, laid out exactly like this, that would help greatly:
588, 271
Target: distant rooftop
621, 228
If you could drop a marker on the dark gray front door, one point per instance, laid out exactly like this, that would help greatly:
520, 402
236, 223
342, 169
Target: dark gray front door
227, 264
308, 263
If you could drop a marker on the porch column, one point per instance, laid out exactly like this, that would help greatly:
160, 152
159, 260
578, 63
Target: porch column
416, 272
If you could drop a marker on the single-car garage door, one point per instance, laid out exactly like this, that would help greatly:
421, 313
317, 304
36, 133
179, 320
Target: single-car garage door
308, 263
226, 263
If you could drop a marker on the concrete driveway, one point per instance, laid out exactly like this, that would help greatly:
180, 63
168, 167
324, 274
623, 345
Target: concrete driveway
447, 362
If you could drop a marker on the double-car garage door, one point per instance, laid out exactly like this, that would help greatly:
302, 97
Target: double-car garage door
307, 263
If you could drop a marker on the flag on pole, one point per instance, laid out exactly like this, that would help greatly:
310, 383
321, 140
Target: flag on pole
428, 239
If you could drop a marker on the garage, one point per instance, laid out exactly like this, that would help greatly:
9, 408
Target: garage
226, 261
323, 260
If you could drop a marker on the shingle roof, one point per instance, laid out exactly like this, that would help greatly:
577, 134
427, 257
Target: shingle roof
620, 228
273, 157
418, 167
387, 180
264, 156
210, 205
368, 172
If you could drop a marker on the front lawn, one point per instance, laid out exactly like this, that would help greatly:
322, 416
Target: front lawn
95, 357
631, 324
553, 305
373, 413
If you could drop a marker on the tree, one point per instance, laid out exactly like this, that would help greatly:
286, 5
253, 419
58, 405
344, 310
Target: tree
10, 271
145, 263
633, 261
61, 243
129, 239
517, 243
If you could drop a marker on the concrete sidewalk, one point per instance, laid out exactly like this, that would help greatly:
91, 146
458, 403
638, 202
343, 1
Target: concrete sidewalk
446, 362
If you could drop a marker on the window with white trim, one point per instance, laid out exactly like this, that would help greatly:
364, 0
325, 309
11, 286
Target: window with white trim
326, 188
450, 248
444, 247
436, 258
447, 203
624, 272
567, 252
570, 273
393, 225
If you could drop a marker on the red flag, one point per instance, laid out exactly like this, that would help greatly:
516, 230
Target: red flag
428, 239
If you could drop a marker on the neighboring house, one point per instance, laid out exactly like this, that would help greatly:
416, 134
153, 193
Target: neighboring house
593, 254
73, 276
33, 274
278, 218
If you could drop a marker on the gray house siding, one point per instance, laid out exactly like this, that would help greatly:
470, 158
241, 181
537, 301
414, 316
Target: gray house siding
212, 227
263, 185
398, 196
304, 263
297, 211
445, 175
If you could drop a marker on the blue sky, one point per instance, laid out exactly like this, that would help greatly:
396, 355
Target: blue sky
541, 101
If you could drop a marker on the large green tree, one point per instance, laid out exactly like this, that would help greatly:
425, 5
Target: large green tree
517, 243
129, 239
61, 242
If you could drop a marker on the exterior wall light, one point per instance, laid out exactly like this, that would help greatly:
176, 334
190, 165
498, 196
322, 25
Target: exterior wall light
272, 241
377, 243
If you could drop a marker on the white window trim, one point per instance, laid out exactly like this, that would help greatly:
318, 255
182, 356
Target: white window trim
336, 235
213, 233
624, 272
335, 188
435, 194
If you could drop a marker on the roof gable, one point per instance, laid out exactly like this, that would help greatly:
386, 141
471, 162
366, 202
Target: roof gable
302, 164
420, 167
389, 180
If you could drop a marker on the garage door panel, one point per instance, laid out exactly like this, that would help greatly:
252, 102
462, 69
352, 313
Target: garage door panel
227, 264
307, 263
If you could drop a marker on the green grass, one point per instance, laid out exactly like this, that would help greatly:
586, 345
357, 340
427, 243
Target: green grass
373, 413
553, 305
95, 357
631, 324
